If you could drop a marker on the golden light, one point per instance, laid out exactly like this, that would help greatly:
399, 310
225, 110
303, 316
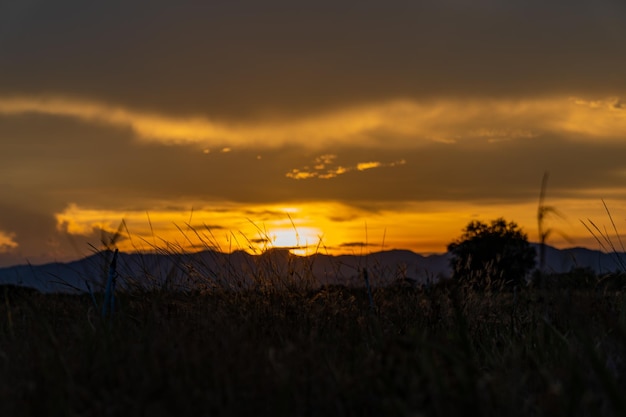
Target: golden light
324, 227
300, 241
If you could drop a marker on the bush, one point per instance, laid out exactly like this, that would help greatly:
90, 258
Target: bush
492, 255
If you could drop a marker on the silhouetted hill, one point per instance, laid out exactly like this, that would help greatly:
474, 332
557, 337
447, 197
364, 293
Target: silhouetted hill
563, 260
240, 269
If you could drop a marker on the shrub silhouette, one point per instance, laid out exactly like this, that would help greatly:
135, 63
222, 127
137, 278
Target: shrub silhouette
495, 255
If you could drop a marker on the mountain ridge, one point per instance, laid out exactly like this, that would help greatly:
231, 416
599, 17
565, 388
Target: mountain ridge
240, 269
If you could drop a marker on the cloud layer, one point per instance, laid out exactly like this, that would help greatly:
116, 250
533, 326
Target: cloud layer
410, 117
246, 59
397, 124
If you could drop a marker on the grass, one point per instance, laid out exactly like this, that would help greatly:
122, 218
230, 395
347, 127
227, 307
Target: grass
273, 342
435, 351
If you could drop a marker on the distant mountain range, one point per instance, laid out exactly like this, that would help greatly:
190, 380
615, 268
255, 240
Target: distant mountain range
240, 269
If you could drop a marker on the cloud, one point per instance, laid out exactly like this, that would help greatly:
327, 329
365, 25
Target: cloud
324, 169
234, 226
355, 245
296, 174
332, 173
216, 60
391, 124
323, 160
362, 166
90, 220
7, 241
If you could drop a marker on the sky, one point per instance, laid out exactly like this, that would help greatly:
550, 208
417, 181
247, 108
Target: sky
331, 126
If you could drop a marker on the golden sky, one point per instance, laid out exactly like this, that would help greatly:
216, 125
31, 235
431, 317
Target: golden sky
335, 126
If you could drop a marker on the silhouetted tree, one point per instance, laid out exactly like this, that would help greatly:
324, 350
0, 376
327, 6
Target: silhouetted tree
492, 255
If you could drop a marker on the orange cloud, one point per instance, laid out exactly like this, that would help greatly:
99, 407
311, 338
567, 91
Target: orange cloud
402, 123
296, 174
362, 166
323, 171
225, 226
7, 241
419, 226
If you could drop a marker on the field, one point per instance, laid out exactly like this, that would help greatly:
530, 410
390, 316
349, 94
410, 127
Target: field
437, 351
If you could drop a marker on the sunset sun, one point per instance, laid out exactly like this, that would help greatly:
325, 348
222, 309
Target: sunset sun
300, 241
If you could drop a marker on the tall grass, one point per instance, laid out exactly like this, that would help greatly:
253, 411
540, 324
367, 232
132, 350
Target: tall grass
609, 242
269, 342
437, 351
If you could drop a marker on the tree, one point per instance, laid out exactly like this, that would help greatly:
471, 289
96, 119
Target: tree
496, 254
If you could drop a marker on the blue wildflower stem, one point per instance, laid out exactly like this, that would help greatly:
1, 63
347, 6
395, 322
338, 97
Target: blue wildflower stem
109, 292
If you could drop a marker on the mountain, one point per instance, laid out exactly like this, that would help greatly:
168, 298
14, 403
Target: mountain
563, 260
240, 269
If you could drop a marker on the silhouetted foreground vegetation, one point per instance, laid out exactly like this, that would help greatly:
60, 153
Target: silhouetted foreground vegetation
437, 351
492, 255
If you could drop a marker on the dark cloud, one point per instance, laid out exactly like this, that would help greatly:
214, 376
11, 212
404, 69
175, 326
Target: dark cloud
258, 58
355, 245
260, 241
34, 229
208, 227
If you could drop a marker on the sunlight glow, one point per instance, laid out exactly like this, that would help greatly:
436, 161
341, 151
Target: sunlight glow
405, 123
300, 241
325, 227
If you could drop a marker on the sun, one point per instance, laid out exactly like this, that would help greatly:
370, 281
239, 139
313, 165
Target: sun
300, 241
